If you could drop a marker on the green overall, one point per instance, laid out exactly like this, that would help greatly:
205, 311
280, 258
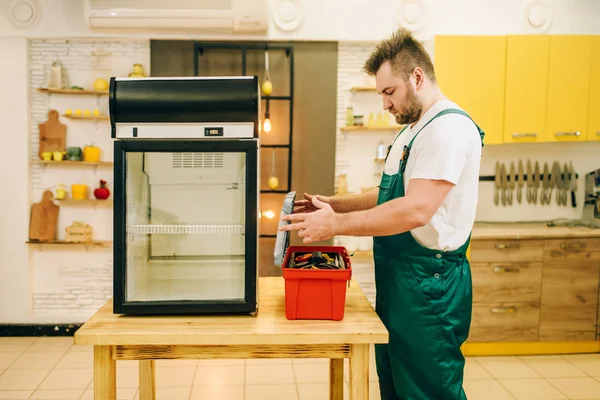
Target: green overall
424, 298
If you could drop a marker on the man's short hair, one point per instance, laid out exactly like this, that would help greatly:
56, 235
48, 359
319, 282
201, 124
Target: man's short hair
404, 53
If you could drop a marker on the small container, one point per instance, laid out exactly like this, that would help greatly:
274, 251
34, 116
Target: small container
317, 294
349, 116
358, 120
91, 154
79, 191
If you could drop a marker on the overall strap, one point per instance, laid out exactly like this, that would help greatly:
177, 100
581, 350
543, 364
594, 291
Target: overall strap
406, 149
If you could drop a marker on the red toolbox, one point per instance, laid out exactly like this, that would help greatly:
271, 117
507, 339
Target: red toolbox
315, 276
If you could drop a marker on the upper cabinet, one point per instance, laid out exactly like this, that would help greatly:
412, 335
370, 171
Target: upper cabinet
593, 132
568, 88
526, 88
471, 71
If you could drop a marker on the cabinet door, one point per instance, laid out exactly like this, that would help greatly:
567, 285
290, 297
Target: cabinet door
570, 278
526, 88
471, 72
594, 111
568, 88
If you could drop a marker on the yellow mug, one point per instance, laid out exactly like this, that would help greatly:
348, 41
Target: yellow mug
58, 156
46, 155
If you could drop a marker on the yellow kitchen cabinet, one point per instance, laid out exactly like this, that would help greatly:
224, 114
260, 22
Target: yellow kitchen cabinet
568, 88
471, 72
594, 110
526, 88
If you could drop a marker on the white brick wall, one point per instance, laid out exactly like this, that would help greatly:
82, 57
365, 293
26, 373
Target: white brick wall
76, 281
356, 151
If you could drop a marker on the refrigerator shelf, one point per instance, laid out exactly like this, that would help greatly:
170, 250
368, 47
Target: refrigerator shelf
186, 229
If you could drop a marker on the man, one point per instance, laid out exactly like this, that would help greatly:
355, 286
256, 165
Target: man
421, 218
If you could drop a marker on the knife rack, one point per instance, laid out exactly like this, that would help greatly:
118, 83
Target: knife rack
492, 178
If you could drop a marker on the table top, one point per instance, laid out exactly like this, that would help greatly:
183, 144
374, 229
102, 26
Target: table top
269, 326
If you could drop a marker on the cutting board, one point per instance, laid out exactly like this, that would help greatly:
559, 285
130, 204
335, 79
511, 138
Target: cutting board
43, 220
53, 134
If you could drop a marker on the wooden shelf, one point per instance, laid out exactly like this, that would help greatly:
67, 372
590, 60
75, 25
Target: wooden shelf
73, 91
98, 243
78, 163
93, 202
375, 128
363, 89
90, 117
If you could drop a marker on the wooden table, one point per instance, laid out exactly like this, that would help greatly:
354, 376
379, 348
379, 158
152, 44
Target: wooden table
267, 335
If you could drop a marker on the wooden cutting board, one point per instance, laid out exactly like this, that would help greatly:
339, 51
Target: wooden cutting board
44, 219
53, 134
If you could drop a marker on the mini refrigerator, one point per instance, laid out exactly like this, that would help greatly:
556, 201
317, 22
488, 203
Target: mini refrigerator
186, 194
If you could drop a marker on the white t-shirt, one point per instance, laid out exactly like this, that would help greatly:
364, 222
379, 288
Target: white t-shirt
448, 148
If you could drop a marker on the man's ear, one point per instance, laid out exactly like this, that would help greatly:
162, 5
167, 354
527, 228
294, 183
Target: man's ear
419, 77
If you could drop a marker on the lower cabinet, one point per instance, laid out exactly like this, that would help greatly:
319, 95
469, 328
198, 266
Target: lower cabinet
535, 290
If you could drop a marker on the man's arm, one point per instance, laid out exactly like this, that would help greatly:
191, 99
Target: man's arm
422, 200
355, 202
339, 204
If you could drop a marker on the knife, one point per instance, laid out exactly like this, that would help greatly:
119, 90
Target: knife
573, 180
545, 183
536, 181
530, 182
553, 181
497, 183
511, 182
503, 177
566, 183
520, 181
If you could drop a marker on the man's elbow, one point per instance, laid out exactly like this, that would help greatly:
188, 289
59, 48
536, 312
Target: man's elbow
421, 216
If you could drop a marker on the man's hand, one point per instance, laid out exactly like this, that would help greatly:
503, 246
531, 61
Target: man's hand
313, 226
307, 206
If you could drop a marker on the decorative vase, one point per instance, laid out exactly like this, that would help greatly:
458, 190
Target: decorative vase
79, 191
91, 154
138, 71
102, 192
74, 153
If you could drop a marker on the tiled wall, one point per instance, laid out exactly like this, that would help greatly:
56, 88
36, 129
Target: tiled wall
74, 282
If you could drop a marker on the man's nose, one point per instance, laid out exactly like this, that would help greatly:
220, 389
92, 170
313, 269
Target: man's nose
386, 104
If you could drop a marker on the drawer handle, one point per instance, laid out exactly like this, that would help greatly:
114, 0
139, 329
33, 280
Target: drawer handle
567, 134
503, 310
572, 245
521, 135
506, 269
501, 246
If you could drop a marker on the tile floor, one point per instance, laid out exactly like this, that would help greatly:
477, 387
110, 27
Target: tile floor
53, 368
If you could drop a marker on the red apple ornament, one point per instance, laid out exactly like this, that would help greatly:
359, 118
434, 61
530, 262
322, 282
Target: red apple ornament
102, 192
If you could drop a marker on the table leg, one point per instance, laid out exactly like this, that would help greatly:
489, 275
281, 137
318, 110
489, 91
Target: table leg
105, 373
147, 380
359, 372
336, 379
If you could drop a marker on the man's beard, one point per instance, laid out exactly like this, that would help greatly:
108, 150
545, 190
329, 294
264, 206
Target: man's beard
413, 109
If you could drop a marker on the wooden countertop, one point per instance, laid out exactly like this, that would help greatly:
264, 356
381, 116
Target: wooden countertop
269, 326
530, 231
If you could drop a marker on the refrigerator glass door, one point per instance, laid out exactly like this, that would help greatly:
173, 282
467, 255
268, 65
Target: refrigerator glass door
185, 226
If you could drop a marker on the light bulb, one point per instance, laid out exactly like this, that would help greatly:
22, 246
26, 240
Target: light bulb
267, 125
269, 214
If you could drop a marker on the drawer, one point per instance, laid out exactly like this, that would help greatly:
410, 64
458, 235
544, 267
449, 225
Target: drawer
501, 282
576, 249
505, 322
569, 300
507, 250
565, 323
